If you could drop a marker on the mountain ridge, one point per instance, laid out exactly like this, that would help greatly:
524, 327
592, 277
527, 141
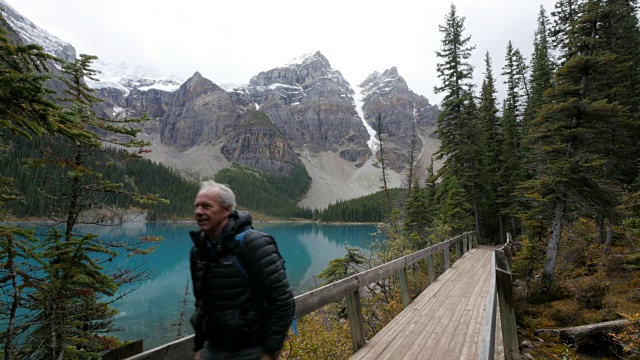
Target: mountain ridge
312, 115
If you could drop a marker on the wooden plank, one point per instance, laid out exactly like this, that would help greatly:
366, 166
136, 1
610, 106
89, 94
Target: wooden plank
125, 351
443, 322
175, 350
336, 291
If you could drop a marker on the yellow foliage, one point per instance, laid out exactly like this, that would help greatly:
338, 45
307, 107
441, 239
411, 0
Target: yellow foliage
320, 336
629, 339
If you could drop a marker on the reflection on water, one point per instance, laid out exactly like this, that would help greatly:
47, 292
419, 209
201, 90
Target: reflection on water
148, 312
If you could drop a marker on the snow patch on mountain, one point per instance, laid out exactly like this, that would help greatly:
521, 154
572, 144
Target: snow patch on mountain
358, 99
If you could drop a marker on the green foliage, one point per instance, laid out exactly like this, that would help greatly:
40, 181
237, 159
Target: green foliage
321, 335
67, 307
271, 195
369, 208
343, 267
139, 174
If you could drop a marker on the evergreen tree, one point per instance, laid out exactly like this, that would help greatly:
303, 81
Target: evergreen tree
542, 67
453, 211
509, 172
69, 306
489, 125
343, 267
457, 121
417, 210
567, 135
17, 246
565, 13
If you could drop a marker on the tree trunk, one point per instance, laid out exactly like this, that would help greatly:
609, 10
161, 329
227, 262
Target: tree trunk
586, 335
609, 237
552, 249
599, 220
475, 214
15, 299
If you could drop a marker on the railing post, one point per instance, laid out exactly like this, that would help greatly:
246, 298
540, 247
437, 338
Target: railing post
475, 240
446, 259
356, 321
431, 269
458, 250
404, 287
465, 245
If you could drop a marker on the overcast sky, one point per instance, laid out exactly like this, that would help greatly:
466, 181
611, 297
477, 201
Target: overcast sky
229, 41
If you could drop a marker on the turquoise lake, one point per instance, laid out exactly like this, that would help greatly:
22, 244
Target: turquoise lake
148, 312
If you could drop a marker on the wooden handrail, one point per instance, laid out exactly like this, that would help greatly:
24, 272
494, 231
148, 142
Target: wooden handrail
346, 288
315, 299
500, 293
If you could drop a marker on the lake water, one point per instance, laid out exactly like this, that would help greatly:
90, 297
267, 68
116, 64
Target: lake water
148, 312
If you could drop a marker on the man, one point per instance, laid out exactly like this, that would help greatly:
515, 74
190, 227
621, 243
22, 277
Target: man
244, 305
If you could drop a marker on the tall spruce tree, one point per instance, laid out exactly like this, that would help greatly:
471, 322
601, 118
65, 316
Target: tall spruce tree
489, 124
26, 110
567, 135
542, 71
542, 67
457, 121
510, 161
70, 302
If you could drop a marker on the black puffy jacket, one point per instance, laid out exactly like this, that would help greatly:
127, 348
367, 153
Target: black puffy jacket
243, 298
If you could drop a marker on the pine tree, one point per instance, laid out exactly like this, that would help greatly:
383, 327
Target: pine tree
453, 215
489, 124
17, 246
567, 135
542, 67
510, 172
69, 304
457, 122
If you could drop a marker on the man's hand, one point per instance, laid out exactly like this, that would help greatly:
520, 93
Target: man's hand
267, 357
197, 356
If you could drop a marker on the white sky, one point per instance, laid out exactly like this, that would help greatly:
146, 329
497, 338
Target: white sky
229, 41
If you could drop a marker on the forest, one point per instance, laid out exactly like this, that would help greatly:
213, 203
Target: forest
555, 164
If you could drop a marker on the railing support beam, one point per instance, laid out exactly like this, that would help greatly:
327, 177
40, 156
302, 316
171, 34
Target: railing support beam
431, 269
404, 287
446, 258
356, 321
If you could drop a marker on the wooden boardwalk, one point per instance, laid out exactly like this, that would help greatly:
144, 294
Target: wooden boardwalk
445, 321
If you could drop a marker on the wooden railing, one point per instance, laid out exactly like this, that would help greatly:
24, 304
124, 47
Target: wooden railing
349, 288
500, 296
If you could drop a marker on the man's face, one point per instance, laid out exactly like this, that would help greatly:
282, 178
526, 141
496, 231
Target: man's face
210, 215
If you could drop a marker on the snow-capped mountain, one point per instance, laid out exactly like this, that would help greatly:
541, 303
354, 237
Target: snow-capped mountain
126, 77
308, 113
31, 33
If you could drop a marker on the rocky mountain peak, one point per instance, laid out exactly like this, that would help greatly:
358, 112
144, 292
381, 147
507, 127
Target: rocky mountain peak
303, 72
196, 85
389, 96
389, 80
31, 33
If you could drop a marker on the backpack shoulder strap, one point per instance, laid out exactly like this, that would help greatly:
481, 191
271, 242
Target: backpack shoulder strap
242, 251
